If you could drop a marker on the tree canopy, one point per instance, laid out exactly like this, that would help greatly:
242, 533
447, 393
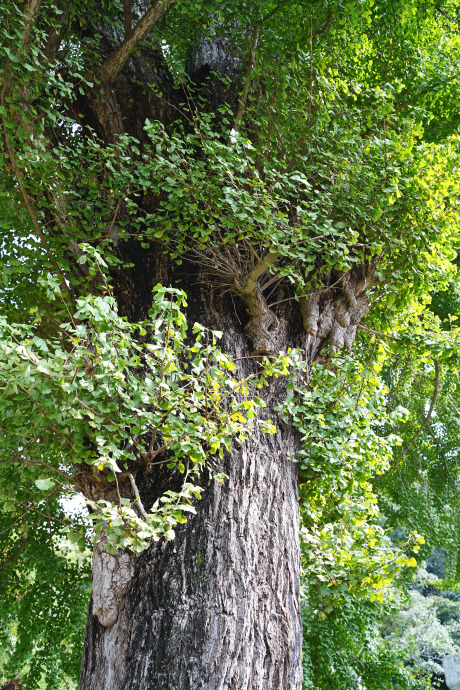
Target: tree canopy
301, 157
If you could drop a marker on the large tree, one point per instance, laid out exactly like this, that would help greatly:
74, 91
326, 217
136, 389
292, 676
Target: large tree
289, 165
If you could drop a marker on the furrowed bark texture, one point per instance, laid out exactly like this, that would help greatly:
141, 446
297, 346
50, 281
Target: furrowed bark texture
217, 608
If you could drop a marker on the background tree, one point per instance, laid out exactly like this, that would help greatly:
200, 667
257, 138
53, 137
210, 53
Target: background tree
44, 586
291, 166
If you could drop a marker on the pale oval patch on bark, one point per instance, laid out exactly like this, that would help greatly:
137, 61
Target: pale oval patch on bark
111, 576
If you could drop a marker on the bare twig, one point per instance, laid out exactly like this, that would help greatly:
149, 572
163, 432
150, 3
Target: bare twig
41, 463
453, 404
247, 84
361, 327
364, 376
4, 564
137, 496
270, 14
441, 11
34, 6
50, 424
50, 533
323, 28
52, 517
28, 204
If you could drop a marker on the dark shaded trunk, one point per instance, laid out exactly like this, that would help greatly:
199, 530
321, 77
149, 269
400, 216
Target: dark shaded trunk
218, 607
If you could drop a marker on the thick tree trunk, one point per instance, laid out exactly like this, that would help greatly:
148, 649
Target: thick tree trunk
217, 608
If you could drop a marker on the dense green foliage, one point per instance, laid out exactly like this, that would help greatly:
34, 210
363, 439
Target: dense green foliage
95, 392
337, 151
43, 594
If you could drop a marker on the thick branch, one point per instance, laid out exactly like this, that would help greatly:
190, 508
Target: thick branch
249, 283
58, 28
115, 63
127, 17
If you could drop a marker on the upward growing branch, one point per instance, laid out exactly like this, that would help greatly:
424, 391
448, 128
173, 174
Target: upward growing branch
30, 12
248, 285
112, 67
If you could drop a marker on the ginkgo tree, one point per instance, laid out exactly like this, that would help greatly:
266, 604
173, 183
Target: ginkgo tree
293, 168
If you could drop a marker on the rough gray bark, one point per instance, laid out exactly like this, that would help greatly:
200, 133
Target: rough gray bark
218, 608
